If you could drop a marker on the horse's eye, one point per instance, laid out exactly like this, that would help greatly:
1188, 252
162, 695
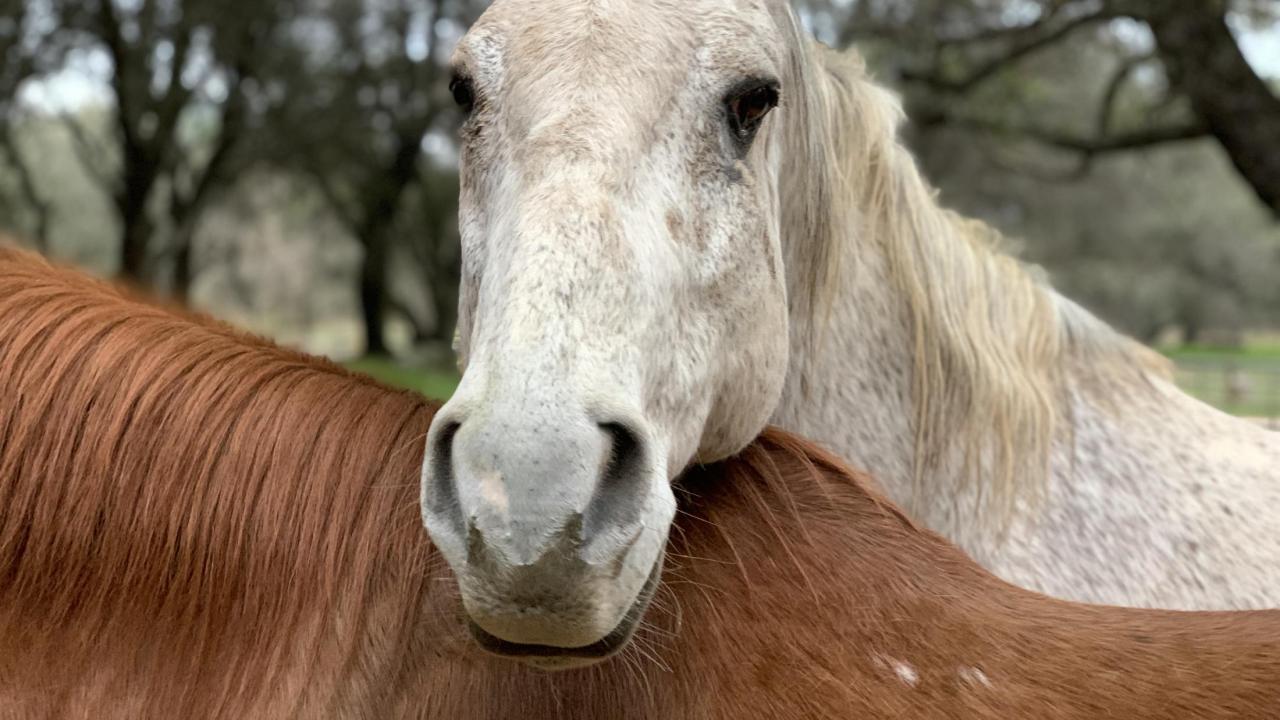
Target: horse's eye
747, 107
464, 92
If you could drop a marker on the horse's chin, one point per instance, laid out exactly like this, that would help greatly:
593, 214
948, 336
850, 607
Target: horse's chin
551, 658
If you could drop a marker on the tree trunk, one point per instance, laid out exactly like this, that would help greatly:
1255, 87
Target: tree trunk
1191, 332
1191, 318
184, 271
135, 238
27, 185
381, 206
1205, 63
140, 170
444, 294
373, 293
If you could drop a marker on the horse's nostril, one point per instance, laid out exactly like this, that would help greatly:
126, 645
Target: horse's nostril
621, 489
442, 450
442, 493
624, 451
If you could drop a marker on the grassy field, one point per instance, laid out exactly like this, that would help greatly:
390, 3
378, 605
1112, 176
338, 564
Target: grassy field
1240, 381
437, 383
1264, 353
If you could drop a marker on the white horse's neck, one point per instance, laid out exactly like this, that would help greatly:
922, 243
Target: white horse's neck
1003, 415
951, 350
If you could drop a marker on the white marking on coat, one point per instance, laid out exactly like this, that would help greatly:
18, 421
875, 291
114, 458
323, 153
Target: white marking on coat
974, 676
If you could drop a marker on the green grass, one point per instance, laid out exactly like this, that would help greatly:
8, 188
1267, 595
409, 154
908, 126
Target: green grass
1248, 354
1241, 381
437, 383
1262, 347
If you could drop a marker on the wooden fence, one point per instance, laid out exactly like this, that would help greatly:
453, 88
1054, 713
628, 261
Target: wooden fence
1245, 387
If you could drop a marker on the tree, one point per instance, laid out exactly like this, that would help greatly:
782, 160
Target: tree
184, 83
1162, 235
431, 243
370, 84
22, 38
1205, 76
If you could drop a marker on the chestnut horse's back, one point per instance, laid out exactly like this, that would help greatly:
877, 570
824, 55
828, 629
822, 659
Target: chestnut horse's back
198, 524
195, 522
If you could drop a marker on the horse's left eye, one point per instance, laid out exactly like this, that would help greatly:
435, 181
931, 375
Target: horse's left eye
464, 92
747, 107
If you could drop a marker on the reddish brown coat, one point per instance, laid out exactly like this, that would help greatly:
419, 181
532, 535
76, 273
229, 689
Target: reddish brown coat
197, 524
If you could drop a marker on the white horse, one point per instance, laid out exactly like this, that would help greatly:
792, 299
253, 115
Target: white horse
683, 219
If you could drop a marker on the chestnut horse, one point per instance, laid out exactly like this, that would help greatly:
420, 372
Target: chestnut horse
198, 524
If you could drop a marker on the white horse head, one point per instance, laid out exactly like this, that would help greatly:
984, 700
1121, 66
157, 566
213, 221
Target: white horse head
624, 304
651, 250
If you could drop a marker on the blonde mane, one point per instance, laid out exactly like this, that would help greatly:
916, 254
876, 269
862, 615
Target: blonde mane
991, 338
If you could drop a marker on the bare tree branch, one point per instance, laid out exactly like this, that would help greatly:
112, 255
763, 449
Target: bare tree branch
27, 185
1024, 41
108, 26
1205, 66
154, 162
1081, 166
1088, 146
18, 64
338, 204
92, 157
169, 107
1106, 111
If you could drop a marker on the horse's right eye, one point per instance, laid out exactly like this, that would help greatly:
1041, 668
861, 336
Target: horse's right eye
746, 107
464, 93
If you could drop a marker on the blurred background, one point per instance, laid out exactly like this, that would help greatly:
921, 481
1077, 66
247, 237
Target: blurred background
289, 165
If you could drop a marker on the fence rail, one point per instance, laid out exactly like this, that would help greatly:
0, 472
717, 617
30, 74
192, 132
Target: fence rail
1244, 387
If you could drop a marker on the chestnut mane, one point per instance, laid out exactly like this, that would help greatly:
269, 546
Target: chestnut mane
197, 524
178, 496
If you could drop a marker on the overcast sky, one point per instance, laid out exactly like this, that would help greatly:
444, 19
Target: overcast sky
1263, 50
